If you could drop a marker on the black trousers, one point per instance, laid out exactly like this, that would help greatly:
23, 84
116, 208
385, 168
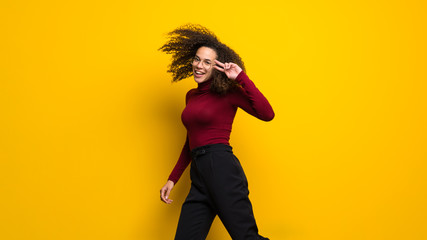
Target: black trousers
218, 187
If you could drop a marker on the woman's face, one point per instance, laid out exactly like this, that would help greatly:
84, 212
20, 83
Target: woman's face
203, 64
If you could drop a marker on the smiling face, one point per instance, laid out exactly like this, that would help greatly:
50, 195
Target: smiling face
203, 64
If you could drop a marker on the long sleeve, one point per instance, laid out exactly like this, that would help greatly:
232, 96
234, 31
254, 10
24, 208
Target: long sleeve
251, 100
182, 163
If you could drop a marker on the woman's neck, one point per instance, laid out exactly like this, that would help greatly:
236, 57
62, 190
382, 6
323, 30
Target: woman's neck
203, 86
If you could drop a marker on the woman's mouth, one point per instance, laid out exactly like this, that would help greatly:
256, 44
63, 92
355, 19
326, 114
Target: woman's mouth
198, 74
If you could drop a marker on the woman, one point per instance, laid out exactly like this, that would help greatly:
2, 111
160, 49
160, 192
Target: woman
218, 183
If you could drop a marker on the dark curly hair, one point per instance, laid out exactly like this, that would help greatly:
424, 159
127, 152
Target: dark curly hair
183, 44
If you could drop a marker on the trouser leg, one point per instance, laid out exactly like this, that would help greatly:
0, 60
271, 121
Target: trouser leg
229, 189
197, 213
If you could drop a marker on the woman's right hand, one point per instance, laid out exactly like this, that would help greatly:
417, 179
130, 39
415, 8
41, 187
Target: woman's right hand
165, 191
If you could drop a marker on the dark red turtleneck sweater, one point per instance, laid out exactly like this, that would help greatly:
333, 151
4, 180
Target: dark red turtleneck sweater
208, 117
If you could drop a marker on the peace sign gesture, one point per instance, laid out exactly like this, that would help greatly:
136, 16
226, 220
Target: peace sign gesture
232, 70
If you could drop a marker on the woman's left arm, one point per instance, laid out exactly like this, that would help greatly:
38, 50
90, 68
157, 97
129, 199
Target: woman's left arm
249, 98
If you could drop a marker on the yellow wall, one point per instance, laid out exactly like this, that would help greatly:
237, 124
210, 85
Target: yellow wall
90, 122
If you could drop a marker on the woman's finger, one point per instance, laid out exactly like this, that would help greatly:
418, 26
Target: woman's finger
167, 200
233, 65
219, 63
167, 193
219, 69
162, 195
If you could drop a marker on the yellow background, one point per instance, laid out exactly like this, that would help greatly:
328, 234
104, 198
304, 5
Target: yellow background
90, 121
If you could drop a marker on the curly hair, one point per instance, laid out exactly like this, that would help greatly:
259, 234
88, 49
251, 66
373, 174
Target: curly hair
183, 44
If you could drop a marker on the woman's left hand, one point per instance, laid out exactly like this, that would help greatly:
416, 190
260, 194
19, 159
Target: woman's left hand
232, 70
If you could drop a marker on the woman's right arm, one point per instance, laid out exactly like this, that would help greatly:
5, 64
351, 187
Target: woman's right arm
180, 166
182, 163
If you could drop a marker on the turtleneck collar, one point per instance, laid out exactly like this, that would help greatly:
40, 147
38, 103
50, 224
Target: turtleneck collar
205, 86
